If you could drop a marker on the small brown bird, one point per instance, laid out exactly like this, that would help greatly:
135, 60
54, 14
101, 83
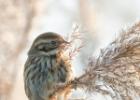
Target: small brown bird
46, 67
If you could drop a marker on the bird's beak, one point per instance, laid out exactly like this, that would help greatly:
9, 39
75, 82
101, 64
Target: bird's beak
64, 43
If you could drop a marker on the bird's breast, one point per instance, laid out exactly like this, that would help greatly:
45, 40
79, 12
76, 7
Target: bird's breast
48, 70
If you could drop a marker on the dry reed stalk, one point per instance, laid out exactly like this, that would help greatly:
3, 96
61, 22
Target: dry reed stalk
116, 71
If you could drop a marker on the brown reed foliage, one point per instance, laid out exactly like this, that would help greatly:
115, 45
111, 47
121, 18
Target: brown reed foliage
15, 25
116, 71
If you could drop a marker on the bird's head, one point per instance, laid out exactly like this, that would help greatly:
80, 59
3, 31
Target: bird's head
47, 44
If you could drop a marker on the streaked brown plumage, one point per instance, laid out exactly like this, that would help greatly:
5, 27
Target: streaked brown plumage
46, 67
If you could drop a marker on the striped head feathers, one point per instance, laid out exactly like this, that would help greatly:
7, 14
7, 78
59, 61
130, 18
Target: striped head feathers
47, 44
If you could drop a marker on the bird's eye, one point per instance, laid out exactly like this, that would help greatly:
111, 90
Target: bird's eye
53, 42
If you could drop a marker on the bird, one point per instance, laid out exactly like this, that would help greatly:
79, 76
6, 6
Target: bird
47, 66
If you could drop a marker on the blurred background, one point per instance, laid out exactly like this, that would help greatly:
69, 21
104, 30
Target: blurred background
22, 20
